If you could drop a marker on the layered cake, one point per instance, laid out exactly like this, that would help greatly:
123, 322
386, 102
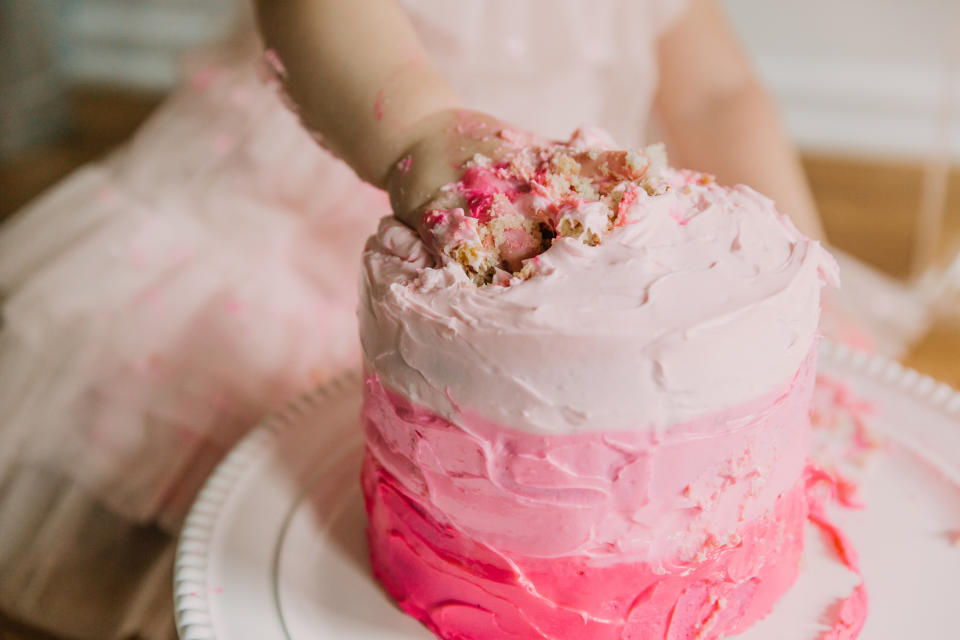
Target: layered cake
586, 409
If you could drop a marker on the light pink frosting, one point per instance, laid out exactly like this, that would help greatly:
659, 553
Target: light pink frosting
705, 298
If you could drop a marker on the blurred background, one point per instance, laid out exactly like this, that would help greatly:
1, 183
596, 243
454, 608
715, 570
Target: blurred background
870, 90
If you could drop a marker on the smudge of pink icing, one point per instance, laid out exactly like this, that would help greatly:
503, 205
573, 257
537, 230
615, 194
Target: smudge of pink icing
482, 531
461, 589
378, 106
480, 184
275, 65
848, 492
404, 164
852, 616
852, 610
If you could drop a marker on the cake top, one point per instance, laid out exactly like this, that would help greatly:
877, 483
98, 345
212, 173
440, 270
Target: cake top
662, 295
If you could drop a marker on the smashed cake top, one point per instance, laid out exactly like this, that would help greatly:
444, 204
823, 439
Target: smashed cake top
512, 210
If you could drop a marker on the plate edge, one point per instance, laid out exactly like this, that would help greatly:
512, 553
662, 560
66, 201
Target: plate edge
191, 607
918, 385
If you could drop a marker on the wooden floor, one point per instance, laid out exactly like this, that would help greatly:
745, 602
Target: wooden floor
868, 206
870, 209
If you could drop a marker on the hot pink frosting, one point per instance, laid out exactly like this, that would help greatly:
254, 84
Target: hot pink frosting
852, 612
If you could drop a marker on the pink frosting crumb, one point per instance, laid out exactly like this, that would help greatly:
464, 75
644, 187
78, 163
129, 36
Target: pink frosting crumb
853, 614
462, 589
848, 492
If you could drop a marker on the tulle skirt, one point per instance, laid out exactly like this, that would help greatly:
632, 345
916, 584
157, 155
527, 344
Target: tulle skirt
156, 306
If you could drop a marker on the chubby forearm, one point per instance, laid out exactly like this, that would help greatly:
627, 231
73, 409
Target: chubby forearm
358, 75
740, 138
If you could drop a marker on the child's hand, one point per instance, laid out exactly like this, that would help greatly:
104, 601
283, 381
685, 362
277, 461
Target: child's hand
445, 142
381, 107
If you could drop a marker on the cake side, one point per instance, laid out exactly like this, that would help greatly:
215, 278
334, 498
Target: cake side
616, 495
465, 591
607, 438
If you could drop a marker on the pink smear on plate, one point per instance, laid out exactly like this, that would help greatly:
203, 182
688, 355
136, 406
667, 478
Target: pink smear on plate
852, 610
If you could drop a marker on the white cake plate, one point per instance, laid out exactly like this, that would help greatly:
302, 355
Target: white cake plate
274, 547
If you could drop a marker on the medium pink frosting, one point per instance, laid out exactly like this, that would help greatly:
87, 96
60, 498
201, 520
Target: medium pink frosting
612, 496
852, 612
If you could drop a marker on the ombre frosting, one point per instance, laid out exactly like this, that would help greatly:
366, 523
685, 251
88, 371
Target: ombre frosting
612, 446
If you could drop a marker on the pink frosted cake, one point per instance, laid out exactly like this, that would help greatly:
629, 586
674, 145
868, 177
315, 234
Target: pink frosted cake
586, 407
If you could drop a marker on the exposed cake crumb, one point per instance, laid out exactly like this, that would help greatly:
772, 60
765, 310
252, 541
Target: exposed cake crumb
513, 210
